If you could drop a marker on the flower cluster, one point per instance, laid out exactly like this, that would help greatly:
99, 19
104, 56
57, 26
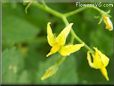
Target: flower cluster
96, 59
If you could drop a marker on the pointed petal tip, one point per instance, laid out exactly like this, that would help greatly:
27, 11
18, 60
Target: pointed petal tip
48, 54
111, 29
107, 78
71, 24
49, 23
94, 48
83, 44
104, 73
42, 78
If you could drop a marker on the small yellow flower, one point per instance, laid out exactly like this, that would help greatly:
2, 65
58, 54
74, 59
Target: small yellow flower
108, 22
58, 43
50, 72
100, 61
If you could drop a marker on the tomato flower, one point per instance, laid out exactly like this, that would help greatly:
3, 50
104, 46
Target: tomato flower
58, 43
108, 22
100, 61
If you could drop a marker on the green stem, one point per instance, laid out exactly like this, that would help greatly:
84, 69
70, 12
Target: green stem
76, 37
49, 10
63, 17
83, 8
60, 61
74, 12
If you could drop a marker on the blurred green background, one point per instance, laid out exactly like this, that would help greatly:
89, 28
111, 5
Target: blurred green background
25, 45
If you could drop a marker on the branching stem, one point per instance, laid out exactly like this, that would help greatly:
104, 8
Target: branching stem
64, 18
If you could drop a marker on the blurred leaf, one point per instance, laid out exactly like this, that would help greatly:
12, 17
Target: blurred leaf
17, 30
12, 64
65, 74
24, 78
103, 40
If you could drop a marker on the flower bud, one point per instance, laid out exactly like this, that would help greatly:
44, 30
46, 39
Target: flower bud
108, 22
50, 72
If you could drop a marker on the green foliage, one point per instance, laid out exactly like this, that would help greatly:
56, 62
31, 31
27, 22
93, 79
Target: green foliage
64, 74
25, 46
13, 63
17, 30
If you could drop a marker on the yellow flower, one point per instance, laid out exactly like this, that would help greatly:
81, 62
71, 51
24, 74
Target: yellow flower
108, 22
58, 43
100, 61
49, 72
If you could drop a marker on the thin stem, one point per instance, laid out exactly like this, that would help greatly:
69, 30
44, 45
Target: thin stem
60, 61
83, 8
49, 10
74, 12
27, 7
72, 40
76, 37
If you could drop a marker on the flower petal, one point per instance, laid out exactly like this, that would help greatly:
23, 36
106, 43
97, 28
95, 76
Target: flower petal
104, 72
89, 58
108, 23
104, 58
61, 38
50, 35
53, 50
68, 49
97, 60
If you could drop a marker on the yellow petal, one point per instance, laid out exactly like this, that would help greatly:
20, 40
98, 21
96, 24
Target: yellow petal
61, 38
104, 58
104, 73
108, 23
97, 60
89, 58
50, 72
53, 50
50, 35
68, 49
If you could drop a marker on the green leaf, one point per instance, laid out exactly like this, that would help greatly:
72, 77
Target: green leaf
17, 29
12, 62
24, 77
65, 74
